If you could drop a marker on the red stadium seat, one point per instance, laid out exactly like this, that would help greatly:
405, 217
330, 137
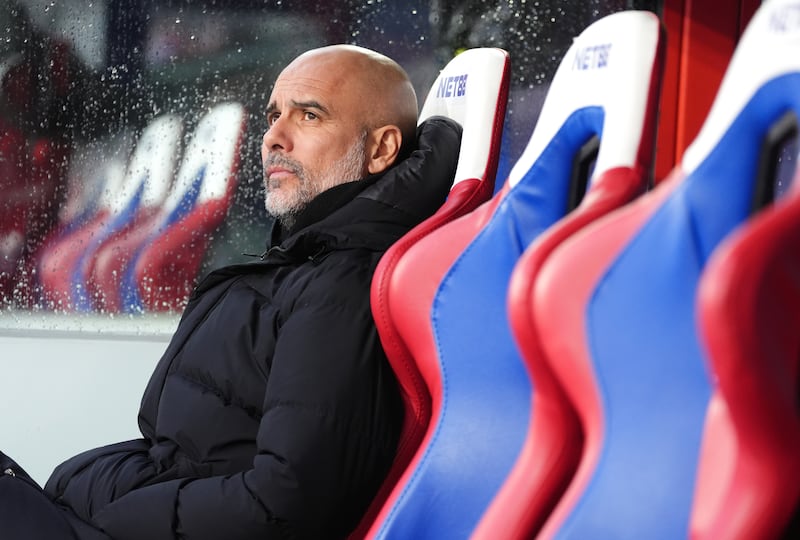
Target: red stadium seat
88, 207
749, 305
616, 306
473, 90
749, 312
95, 173
154, 160
449, 292
164, 268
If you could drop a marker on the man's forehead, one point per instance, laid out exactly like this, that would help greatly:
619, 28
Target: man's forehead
305, 87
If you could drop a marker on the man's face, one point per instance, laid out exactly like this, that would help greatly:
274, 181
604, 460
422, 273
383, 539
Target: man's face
316, 138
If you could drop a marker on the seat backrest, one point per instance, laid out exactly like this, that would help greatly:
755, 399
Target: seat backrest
448, 301
616, 302
748, 306
96, 171
471, 89
749, 314
553, 442
154, 163
164, 269
148, 177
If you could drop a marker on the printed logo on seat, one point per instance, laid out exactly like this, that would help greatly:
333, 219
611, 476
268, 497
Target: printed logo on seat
455, 86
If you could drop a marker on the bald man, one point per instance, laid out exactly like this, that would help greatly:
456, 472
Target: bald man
335, 114
273, 412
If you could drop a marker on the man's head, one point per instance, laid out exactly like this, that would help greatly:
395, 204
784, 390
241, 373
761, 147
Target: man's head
336, 114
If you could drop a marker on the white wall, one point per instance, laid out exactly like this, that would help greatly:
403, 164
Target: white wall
71, 383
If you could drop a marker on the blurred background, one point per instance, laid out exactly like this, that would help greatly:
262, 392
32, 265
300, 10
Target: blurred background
81, 79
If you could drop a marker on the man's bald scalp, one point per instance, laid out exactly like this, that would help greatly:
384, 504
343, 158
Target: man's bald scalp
388, 95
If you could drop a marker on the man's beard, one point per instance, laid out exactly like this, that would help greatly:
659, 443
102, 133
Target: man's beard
284, 206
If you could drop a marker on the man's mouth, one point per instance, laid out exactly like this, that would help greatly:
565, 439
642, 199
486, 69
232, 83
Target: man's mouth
278, 168
275, 173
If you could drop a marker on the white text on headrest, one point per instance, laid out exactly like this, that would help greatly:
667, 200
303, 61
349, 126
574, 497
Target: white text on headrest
592, 57
452, 86
785, 19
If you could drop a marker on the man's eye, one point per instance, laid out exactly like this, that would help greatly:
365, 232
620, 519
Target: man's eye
310, 115
272, 118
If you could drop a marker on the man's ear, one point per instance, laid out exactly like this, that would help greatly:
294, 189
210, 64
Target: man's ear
383, 148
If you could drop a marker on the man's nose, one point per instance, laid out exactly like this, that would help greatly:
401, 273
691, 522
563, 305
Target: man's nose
276, 137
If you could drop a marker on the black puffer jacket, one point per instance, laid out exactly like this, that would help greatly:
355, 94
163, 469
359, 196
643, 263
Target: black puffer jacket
273, 412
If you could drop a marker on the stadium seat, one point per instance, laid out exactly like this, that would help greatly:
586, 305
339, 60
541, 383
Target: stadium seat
155, 160
64, 266
449, 292
553, 442
749, 315
96, 170
471, 89
615, 304
165, 255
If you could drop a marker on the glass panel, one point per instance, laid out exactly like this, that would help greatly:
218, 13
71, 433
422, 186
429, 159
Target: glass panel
82, 79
